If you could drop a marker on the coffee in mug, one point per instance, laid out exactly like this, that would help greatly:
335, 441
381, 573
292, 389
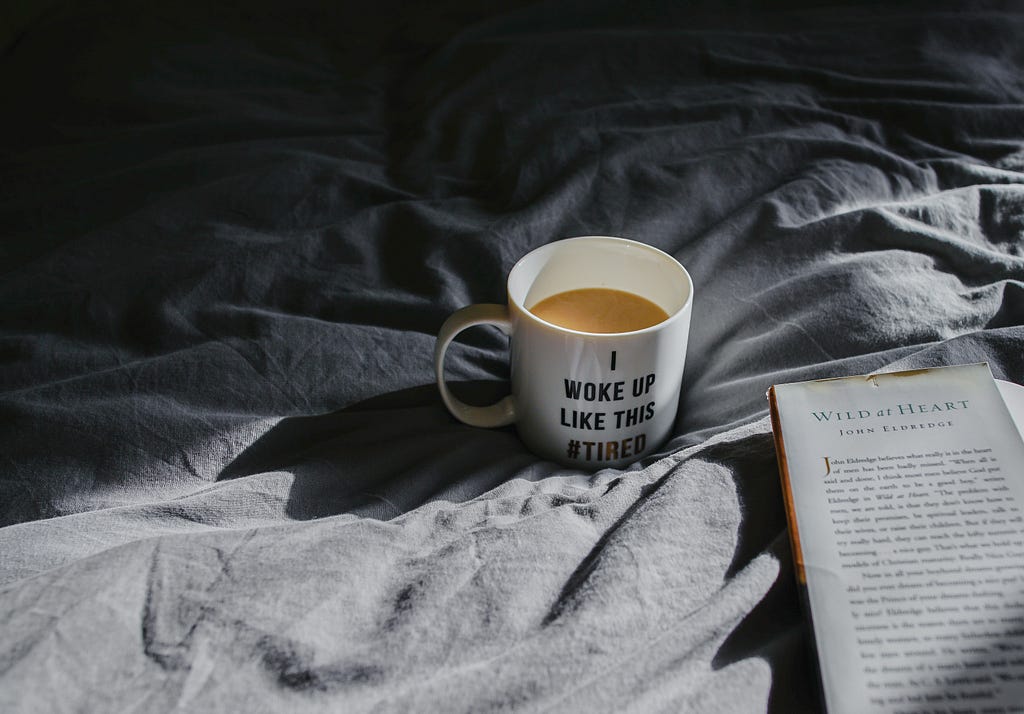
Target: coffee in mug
600, 310
599, 327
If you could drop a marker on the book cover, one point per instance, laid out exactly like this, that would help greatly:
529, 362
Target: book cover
904, 494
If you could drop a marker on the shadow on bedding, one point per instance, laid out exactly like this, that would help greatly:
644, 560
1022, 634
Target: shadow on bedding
388, 455
774, 629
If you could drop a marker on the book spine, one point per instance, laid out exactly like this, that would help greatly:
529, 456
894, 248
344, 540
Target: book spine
794, 544
787, 489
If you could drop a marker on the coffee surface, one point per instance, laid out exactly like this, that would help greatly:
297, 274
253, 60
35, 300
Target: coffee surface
601, 310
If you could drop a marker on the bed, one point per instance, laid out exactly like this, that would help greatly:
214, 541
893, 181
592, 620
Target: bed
230, 234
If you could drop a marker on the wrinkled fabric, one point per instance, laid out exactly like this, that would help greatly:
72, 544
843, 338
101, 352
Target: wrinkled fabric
227, 481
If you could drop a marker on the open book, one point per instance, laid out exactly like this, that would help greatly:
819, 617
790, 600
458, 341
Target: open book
905, 498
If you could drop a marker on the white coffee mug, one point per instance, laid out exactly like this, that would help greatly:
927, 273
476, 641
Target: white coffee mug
584, 399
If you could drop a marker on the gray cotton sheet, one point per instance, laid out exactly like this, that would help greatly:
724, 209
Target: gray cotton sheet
229, 236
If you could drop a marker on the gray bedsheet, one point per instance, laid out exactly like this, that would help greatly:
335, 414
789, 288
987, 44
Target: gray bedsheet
227, 482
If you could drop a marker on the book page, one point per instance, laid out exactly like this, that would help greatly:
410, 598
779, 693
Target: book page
908, 492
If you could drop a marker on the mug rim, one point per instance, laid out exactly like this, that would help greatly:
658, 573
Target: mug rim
664, 324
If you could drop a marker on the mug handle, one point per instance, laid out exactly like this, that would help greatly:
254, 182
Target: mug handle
499, 414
